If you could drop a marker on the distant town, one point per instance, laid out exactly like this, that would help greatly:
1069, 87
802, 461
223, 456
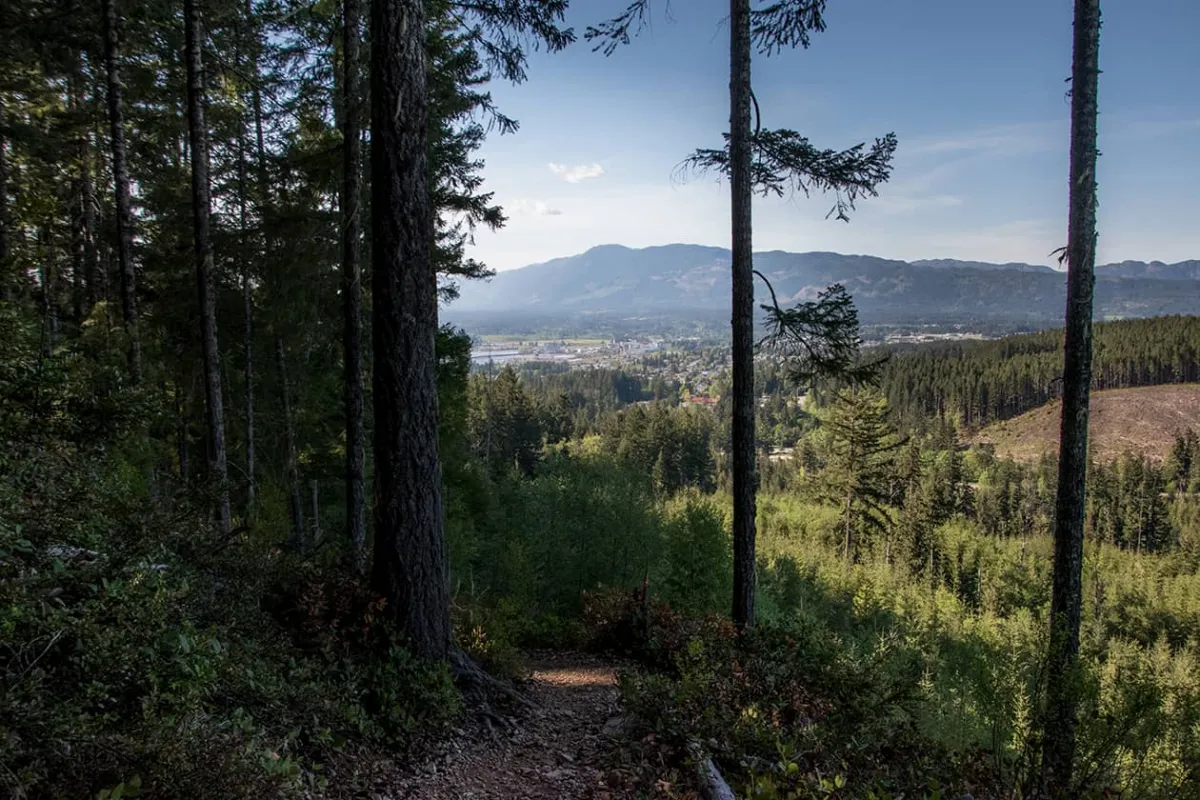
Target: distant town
576, 352
583, 353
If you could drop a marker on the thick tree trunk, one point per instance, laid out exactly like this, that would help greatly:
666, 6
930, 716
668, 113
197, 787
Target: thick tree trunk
289, 435
1062, 695
205, 279
120, 171
410, 567
356, 514
744, 472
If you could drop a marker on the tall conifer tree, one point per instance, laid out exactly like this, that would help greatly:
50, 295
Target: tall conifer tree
1063, 688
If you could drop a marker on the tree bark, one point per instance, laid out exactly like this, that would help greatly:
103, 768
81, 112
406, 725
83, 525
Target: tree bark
356, 514
5, 278
93, 276
78, 293
289, 429
1063, 684
742, 318
247, 289
120, 171
410, 567
205, 279
256, 101
83, 231
49, 280
247, 333
182, 433
313, 488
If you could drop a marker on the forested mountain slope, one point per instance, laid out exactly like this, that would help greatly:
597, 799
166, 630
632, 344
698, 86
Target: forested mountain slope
679, 277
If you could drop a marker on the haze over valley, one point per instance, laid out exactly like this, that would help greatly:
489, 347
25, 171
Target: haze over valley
691, 280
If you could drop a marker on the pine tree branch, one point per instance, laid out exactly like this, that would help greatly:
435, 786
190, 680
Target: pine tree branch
786, 163
786, 24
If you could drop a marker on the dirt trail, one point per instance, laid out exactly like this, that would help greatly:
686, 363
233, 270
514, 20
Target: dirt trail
559, 750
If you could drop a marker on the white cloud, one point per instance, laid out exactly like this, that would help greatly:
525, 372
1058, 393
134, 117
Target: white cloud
580, 172
525, 207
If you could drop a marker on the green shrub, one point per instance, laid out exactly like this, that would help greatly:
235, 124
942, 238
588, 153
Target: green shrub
141, 650
697, 572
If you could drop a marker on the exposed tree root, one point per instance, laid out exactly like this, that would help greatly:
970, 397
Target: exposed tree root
481, 689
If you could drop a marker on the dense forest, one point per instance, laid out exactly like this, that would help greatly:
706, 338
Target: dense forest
264, 532
974, 383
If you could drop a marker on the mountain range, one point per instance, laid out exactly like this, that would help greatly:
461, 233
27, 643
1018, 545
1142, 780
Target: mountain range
679, 278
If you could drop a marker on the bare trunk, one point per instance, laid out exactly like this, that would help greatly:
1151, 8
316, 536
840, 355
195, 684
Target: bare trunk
48, 279
848, 529
256, 102
316, 513
93, 276
289, 435
247, 336
356, 514
120, 171
85, 262
77, 268
744, 467
6, 280
410, 567
180, 448
205, 279
247, 297
1062, 695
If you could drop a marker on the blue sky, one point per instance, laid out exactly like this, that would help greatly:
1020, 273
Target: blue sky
975, 91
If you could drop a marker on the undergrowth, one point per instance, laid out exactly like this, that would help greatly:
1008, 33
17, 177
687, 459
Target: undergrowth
144, 652
785, 711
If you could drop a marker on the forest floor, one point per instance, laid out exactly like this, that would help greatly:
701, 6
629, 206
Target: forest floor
564, 748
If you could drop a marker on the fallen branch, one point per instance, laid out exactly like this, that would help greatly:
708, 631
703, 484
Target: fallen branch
712, 785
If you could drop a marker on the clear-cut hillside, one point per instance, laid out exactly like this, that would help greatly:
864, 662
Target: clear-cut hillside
1142, 420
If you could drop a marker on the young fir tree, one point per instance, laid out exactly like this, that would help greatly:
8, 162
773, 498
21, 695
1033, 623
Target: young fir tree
860, 466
